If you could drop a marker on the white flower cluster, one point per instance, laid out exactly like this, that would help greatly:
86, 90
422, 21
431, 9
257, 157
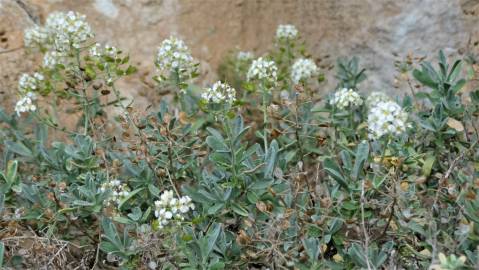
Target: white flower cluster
346, 98
62, 31
97, 51
169, 208
104, 54
28, 83
244, 56
219, 93
262, 69
303, 69
118, 191
25, 104
173, 55
376, 97
286, 31
387, 118
68, 30
53, 58
35, 37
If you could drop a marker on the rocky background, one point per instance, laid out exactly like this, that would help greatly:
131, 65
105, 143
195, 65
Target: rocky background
378, 31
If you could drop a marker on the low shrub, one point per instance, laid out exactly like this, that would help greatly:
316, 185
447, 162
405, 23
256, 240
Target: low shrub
268, 173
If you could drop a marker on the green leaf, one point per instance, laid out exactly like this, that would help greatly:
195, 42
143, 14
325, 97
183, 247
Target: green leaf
217, 266
458, 86
153, 190
346, 159
474, 96
335, 225
146, 214
216, 144
2, 252
350, 205
271, 159
427, 165
424, 78
108, 247
125, 60
471, 211
123, 220
455, 70
17, 188
238, 209
252, 197
135, 214
378, 181
12, 168
215, 208
90, 72
311, 245
130, 195
357, 255
333, 170
216, 141
383, 254
261, 184
314, 231
362, 154
82, 203
130, 70
111, 234
2, 202
207, 243
19, 148
426, 125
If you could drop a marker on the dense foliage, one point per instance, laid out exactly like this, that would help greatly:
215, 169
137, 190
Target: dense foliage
260, 171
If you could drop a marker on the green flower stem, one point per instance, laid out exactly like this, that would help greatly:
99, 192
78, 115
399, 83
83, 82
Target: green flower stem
351, 117
297, 128
333, 142
85, 98
229, 134
48, 123
179, 92
265, 120
383, 154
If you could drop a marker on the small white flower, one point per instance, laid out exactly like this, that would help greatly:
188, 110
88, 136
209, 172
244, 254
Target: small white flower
171, 208
25, 104
345, 98
262, 69
95, 50
184, 209
303, 69
286, 32
67, 30
375, 97
168, 215
36, 36
387, 117
219, 93
38, 76
28, 83
52, 58
118, 191
174, 56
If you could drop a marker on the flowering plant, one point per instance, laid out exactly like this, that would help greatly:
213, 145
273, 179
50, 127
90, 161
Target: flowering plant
267, 173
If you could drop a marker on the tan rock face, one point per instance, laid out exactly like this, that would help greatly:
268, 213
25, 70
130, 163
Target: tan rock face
377, 31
